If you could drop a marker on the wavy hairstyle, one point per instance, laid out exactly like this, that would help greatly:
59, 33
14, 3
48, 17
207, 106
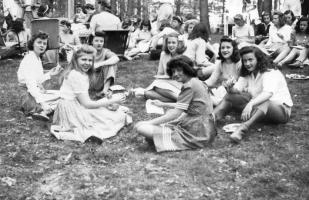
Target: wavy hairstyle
190, 22
281, 18
165, 48
199, 30
146, 22
297, 27
235, 55
40, 35
289, 12
181, 62
73, 65
264, 63
67, 24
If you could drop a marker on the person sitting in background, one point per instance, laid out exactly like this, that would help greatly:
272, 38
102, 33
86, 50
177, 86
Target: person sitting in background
196, 47
16, 38
279, 36
80, 16
35, 100
299, 44
68, 41
188, 124
141, 40
261, 93
242, 32
262, 29
44, 12
188, 27
105, 66
90, 12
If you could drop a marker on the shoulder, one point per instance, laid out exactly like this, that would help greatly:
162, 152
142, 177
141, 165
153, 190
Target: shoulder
76, 75
192, 84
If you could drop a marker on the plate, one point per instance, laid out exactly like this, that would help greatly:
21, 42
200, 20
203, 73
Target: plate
231, 127
162, 76
117, 88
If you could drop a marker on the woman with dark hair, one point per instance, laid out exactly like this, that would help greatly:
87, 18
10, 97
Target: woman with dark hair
68, 40
188, 125
262, 29
279, 36
299, 44
17, 38
44, 11
261, 93
197, 45
290, 18
227, 69
164, 88
35, 100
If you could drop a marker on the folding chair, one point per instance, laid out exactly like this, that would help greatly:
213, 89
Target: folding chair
51, 27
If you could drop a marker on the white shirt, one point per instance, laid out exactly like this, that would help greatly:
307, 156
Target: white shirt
242, 31
30, 73
104, 21
10, 6
285, 31
271, 81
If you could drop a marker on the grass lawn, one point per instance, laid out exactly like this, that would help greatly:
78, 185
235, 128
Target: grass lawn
272, 163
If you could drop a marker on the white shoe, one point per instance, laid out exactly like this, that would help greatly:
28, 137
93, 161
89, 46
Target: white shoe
139, 92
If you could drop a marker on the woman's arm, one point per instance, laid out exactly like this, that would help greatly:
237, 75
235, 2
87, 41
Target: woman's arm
110, 61
169, 116
200, 55
161, 68
213, 79
85, 101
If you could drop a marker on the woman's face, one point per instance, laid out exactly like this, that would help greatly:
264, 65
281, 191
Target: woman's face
64, 28
303, 25
249, 61
84, 62
266, 19
190, 28
179, 76
39, 46
175, 24
239, 22
276, 20
98, 43
172, 43
288, 18
226, 49
145, 28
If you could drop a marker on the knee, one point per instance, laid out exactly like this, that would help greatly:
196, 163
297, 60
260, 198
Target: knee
140, 127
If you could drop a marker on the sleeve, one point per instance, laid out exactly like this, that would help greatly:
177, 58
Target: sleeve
200, 53
109, 54
241, 84
213, 79
251, 31
184, 99
78, 82
270, 81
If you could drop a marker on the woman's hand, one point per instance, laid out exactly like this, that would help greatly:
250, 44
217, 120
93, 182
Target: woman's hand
246, 113
158, 103
118, 98
229, 83
56, 70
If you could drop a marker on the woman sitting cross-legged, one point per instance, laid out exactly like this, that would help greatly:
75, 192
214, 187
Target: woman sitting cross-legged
164, 88
105, 67
77, 117
188, 125
35, 100
261, 93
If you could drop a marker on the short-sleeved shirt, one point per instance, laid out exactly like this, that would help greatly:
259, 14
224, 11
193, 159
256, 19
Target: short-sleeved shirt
196, 49
104, 21
71, 39
104, 55
285, 31
242, 31
74, 84
271, 81
194, 91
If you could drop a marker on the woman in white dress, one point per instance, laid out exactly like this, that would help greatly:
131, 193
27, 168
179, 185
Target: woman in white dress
35, 100
79, 118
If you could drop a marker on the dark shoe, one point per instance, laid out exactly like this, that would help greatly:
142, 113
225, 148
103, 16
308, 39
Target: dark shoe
40, 116
237, 135
150, 141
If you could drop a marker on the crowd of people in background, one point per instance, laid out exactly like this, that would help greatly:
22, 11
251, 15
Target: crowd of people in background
199, 81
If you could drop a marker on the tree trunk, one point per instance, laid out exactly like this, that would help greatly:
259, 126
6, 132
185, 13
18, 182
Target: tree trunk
130, 8
139, 7
267, 6
178, 6
114, 6
145, 9
204, 13
122, 9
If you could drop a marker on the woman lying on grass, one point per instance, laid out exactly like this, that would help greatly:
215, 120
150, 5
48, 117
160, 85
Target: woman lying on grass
188, 125
77, 117
261, 93
35, 100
